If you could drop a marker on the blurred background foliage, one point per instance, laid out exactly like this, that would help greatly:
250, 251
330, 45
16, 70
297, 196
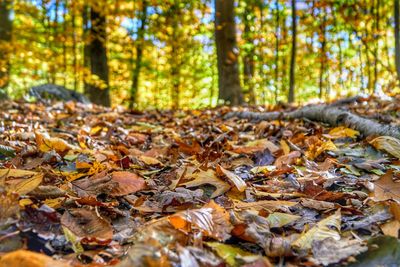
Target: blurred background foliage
163, 51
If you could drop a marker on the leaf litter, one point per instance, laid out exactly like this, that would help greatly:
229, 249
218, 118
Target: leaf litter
92, 186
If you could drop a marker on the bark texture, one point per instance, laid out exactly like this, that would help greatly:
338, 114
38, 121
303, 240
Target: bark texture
291, 94
230, 90
5, 42
332, 114
98, 58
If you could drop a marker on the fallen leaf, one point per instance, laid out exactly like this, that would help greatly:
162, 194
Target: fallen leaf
235, 179
330, 251
328, 227
46, 143
25, 258
264, 204
128, 183
200, 177
391, 228
211, 219
342, 132
85, 223
256, 146
26, 180
235, 256
386, 188
387, 143
278, 219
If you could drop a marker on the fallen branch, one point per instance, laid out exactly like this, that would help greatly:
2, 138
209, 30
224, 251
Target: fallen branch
330, 114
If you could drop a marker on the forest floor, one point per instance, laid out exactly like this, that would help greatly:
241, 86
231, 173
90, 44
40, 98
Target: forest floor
91, 186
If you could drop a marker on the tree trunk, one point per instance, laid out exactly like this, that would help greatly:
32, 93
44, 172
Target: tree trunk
230, 90
277, 37
248, 59
323, 54
397, 36
291, 95
5, 42
139, 54
98, 58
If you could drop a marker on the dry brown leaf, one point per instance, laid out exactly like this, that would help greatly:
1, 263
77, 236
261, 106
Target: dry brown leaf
46, 143
235, 179
200, 177
391, 228
256, 146
326, 228
386, 188
387, 143
128, 183
211, 219
264, 204
25, 181
25, 258
85, 223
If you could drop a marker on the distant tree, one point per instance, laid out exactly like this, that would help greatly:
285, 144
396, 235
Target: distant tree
139, 53
227, 55
291, 94
5, 41
96, 47
249, 53
397, 36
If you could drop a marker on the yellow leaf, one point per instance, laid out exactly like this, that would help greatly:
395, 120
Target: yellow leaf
285, 147
201, 177
328, 227
279, 219
46, 143
342, 132
25, 181
235, 179
387, 143
150, 160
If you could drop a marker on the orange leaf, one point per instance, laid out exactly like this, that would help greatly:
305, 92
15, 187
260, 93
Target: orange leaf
128, 183
24, 258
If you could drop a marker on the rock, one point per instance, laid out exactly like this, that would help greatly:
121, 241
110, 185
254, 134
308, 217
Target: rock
56, 92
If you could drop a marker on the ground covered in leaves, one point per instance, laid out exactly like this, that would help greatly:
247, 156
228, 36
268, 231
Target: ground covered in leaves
90, 186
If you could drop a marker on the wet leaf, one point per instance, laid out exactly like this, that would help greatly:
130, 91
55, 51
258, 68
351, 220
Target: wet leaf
7, 151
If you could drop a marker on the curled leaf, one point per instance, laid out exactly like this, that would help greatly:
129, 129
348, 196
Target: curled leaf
235, 179
387, 143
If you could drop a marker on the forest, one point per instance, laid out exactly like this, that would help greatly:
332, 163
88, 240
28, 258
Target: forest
199, 133
153, 54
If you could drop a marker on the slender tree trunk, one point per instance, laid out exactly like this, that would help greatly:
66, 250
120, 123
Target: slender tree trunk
248, 59
397, 36
98, 58
277, 39
291, 94
230, 90
376, 46
74, 42
139, 54
5, 42
64, 45
323, 54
